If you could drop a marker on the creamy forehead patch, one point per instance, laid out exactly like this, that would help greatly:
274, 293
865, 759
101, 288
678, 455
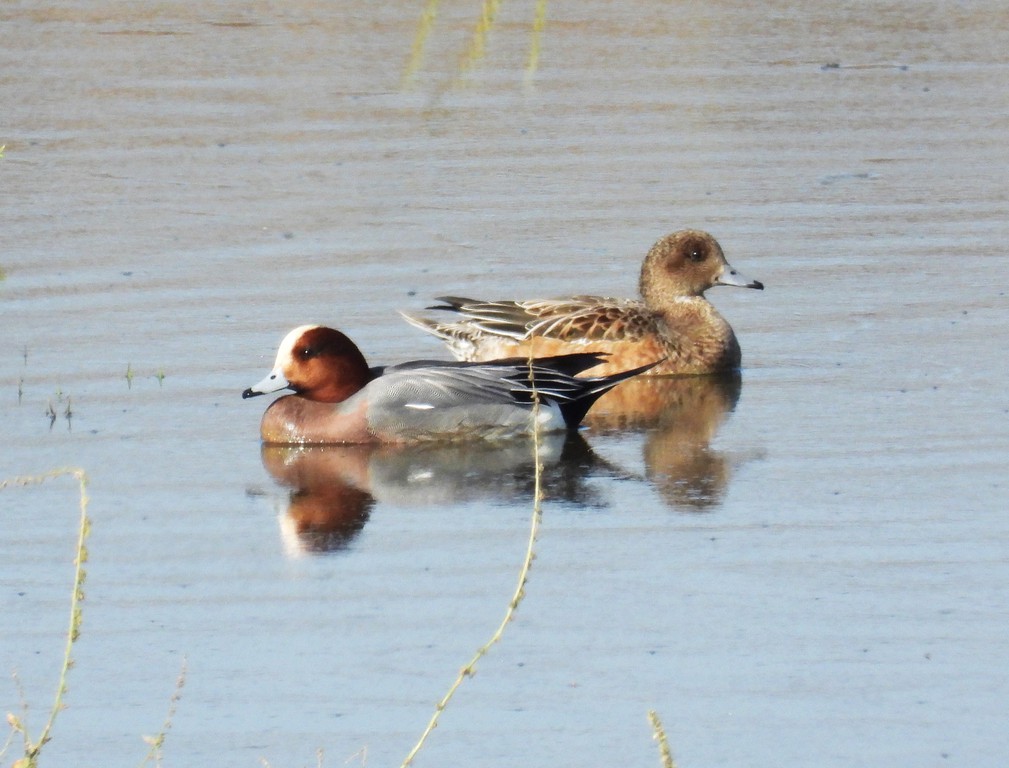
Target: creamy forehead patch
286, 349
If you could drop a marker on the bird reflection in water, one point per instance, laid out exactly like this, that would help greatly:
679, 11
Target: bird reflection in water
680, 416
333, 488
328, 503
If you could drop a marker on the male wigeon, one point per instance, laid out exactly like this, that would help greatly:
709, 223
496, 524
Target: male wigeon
672, 320
339, 399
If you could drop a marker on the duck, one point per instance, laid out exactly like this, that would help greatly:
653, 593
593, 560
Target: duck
672, 320
338, 398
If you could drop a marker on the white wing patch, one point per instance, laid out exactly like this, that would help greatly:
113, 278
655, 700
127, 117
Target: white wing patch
550, 416
419, 406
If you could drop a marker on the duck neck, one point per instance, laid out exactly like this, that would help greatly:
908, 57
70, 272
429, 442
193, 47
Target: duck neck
347, 377
691, 309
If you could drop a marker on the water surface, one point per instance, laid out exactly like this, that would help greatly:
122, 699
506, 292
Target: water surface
805, 566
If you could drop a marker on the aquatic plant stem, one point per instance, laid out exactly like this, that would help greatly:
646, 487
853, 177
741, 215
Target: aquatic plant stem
539, 22
470, 669
32, 748
424, 26
157, 743
659, 734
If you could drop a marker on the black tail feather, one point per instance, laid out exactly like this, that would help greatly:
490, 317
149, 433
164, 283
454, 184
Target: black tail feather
574, 410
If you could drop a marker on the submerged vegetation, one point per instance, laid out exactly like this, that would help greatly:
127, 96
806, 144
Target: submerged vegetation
131, 374
64, 402
61, 403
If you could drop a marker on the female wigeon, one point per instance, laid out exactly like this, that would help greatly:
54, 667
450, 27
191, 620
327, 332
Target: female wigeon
339, 399
672, 320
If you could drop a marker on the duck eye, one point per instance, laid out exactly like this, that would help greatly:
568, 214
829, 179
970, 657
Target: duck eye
306, 353
696, 255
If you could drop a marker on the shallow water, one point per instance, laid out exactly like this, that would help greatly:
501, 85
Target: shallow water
806, 566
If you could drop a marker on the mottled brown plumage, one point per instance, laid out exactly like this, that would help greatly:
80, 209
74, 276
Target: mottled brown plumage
671, 320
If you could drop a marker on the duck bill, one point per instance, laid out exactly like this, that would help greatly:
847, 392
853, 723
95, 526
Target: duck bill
272, 383
730, 276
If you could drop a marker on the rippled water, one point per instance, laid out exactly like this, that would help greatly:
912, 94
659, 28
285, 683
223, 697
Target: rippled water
806, 565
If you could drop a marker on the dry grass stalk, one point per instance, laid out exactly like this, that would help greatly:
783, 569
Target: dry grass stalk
659, 734
539, 22
157, 742
33, 747
470, 669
